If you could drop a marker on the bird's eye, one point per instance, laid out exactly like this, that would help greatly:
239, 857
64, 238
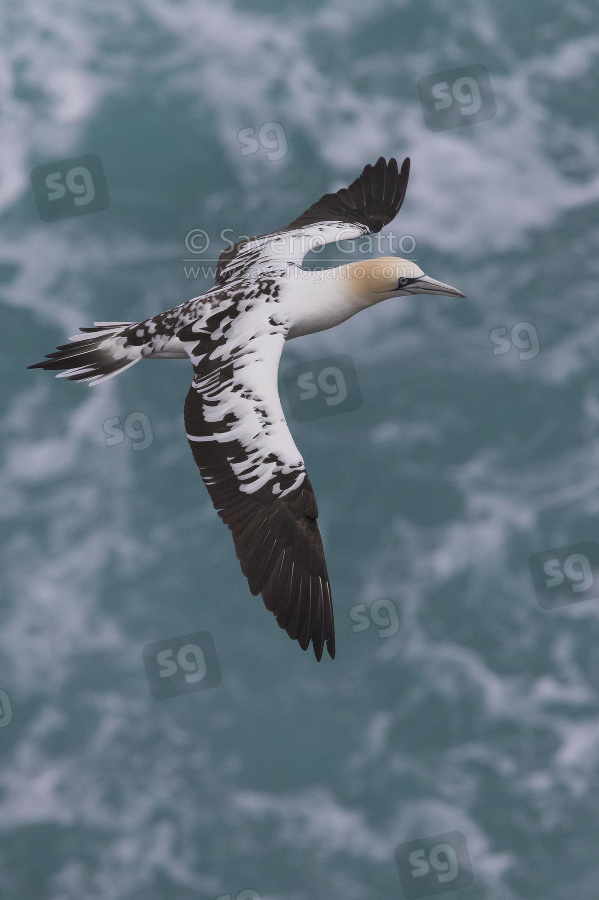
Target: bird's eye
404, 281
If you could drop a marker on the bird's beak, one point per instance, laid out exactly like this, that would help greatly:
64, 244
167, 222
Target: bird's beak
426, 285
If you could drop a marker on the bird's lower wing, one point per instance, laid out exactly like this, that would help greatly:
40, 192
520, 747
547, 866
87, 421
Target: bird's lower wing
259, 486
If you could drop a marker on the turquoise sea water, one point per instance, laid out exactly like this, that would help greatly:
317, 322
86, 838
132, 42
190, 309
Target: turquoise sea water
476, 445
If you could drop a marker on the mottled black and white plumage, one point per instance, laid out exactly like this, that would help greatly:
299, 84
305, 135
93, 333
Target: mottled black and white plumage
234, 335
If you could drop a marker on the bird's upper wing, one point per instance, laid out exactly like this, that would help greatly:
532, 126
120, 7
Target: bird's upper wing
370, 202
255, 473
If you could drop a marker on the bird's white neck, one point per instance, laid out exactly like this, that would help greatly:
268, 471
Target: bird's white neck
315, 301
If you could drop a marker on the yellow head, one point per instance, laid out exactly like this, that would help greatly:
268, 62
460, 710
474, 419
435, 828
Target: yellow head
373, 280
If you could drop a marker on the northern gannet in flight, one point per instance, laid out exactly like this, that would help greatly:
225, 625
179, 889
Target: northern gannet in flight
234, 336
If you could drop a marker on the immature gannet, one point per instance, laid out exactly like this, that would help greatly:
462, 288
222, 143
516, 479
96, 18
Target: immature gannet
234, 336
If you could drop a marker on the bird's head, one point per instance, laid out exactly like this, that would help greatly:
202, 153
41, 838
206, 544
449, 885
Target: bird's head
391, 276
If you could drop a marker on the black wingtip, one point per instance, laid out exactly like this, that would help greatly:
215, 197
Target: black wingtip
318, 649
373, 199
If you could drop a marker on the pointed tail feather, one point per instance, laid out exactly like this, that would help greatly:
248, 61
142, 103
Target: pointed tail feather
97, 357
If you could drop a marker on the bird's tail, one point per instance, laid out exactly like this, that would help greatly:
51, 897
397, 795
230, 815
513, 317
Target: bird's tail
97, 357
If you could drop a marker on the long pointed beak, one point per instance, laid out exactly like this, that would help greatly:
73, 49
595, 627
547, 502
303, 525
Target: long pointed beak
426, 285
